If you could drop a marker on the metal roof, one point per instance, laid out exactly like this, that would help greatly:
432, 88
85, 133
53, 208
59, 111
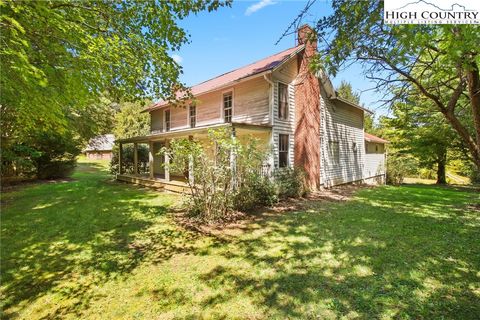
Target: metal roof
371, 138
254, 68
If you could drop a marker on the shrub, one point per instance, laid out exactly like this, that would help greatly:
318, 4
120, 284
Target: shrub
128, 159
56, 169
56, 156
220, 188
290, 182
256, 191
398, 167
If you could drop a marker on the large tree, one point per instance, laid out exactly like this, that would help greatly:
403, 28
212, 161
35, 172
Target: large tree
57, 57
440, 61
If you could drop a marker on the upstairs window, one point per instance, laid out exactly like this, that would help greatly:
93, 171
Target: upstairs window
167, 120
282, 150
282, 101
192, 115
227, 107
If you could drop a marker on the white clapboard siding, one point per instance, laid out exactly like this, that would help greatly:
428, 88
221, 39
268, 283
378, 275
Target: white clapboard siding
374, 160
343, 124
251, 102
286, 75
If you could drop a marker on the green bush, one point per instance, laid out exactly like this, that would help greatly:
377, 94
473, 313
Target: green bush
290, 182
56, 154
398, 167
56, 169
127, 159
256, 191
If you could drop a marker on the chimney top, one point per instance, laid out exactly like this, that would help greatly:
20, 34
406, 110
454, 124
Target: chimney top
305, 34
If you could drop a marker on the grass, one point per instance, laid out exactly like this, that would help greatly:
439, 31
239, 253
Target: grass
91, 248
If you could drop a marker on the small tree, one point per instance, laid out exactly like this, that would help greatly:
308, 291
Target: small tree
223, 170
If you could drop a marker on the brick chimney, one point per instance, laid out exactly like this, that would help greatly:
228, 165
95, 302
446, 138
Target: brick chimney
307, 114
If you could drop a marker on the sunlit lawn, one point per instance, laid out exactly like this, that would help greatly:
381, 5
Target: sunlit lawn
94, 248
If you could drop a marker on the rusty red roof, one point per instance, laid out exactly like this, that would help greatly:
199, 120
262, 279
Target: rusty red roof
371, 138
260, 66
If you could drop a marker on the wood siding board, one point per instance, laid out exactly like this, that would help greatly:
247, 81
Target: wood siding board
344, 125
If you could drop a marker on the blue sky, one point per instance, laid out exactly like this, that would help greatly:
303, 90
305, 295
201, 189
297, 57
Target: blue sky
232, 37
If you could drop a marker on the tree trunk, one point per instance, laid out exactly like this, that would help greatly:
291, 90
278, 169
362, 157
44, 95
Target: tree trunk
441, 172
473, 84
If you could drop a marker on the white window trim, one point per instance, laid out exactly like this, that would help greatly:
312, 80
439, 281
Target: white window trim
278, 101
222, 111
165, 120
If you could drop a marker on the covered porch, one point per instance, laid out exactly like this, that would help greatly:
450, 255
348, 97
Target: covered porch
154, 171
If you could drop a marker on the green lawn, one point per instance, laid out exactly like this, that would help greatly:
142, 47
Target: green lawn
96, 249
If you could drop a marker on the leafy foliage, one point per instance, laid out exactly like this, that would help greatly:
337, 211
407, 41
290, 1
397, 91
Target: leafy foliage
130, 121
128, 159
290, 182
64, 62
345, 91
219, 186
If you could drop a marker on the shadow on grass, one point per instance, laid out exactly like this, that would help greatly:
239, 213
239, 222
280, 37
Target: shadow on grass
69, 238
390, 253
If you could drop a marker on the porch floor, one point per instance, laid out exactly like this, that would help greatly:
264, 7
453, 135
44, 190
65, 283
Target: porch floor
175, 184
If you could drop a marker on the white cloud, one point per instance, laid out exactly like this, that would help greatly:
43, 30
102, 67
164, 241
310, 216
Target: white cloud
257, 6
177, 58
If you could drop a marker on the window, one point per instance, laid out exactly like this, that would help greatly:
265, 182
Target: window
227, 107
167, 120
334, 151
283, 150
193, 116
282, 101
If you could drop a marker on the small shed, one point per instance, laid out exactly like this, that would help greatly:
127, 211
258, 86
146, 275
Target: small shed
100, 147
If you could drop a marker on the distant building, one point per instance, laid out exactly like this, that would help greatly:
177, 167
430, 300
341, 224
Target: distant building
100, 147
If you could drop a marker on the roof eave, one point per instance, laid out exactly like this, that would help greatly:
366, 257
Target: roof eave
228, 84
351, 104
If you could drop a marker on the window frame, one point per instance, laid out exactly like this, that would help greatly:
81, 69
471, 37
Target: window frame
194, 123
167, 125
287, 106
225, 93
334, 153
285, 150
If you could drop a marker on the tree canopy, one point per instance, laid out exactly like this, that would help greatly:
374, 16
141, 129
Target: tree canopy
59, 57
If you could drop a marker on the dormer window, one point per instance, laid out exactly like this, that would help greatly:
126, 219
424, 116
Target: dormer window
167, 120
192, 115
282, 101
227, 106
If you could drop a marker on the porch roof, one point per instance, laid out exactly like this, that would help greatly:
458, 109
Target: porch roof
188, 131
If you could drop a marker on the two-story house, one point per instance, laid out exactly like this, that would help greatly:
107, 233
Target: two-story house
281, 102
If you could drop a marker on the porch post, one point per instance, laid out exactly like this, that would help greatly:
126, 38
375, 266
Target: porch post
190, 166
135, 158
150, 158
120, 147
233, 161
167, 161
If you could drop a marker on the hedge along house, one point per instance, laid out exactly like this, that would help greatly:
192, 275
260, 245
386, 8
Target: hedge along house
100, 147
279, 101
